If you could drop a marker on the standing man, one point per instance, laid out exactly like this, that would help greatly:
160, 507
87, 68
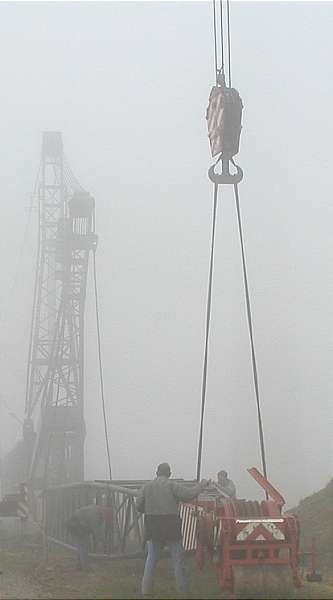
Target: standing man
85, 522
159, 501
226, 485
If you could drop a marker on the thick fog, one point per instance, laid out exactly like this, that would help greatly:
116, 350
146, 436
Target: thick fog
127, 84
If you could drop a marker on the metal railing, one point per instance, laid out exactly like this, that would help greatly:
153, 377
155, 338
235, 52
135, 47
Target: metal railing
123, 536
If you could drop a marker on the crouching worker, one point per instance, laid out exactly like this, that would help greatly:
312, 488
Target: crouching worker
85, 522
159, 501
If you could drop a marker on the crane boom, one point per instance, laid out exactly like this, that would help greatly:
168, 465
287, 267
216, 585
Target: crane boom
51, 451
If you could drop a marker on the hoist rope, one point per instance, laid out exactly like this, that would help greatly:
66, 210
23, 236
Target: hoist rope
215, 39
221, 31
229, 42
249, 320
34, 195
208, 315
28, 408
218, 24
244, 267
107, 444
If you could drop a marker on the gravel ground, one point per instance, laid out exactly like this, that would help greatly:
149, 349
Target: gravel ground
26, 576
13, 585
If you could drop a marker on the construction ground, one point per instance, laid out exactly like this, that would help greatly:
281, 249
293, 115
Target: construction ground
28, 573
26, 577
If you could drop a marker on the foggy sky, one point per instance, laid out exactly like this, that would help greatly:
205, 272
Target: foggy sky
128, 85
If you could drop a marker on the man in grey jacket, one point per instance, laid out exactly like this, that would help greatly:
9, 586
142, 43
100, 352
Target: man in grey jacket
159, 501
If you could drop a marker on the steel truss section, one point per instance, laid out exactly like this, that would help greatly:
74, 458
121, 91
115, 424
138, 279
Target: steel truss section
55, 390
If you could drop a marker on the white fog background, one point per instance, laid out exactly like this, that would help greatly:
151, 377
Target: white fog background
127, 84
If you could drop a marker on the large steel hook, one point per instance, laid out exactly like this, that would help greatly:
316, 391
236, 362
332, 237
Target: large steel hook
225, 177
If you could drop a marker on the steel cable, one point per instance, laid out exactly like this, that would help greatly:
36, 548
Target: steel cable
28, 408
218, 24
101, 366
229, 41
208, 316
215, 40
244, 267
249, 320
221, 32
33, 198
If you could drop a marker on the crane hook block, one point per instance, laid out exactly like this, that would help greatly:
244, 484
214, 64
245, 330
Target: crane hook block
225, 176
224, 119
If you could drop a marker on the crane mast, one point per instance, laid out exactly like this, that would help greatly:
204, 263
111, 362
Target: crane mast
55, 377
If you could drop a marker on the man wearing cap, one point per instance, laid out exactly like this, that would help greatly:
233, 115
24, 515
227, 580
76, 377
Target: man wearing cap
159, 501
226, 485
85, 522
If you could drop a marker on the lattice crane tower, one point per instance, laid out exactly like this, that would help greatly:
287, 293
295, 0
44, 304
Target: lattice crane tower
55, 375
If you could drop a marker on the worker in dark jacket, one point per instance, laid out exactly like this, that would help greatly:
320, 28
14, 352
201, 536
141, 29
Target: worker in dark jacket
226, 485
159, 501
85, 522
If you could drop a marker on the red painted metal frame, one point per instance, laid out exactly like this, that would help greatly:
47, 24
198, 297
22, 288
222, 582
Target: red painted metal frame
267, 486
219, 526
229, 552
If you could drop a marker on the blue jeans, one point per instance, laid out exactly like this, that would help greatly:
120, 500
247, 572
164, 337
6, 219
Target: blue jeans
82, 544
178, 560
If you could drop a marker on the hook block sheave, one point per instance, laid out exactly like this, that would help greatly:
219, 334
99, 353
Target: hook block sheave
224, 120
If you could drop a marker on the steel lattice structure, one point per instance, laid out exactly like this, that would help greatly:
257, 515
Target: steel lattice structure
55, 383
